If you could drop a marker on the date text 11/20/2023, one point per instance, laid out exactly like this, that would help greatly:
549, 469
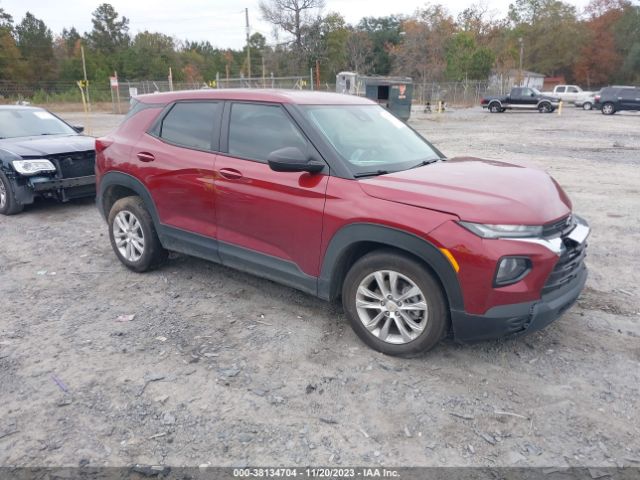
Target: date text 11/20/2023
335, 473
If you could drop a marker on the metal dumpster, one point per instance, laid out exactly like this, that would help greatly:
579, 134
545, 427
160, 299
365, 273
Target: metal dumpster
393, 93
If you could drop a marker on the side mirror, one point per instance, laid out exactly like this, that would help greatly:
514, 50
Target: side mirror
532, 94
78, 128
291, 159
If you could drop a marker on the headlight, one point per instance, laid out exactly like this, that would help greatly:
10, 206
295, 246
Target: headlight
31, 167
503, 231
511, 270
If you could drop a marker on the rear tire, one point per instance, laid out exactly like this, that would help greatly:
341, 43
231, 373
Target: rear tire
394, 304
8, 203
494, 107
133, 235
587, 106
608, 108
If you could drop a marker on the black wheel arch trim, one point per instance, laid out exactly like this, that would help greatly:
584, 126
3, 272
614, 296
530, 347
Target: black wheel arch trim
348, 236
120, 179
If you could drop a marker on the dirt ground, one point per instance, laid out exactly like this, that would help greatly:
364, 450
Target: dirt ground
221, 368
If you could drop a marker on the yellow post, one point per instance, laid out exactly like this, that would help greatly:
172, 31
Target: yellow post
439, 106
84, 100
82, 85
560, 108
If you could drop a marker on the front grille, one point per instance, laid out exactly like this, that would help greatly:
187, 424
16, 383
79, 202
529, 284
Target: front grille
569, 265
559, 228
74, 164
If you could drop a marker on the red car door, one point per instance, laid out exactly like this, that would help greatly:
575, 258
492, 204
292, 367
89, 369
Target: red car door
266, 219
179, 166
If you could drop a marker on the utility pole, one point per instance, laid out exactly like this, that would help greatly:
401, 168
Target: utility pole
520, 75
86, 82
246, 16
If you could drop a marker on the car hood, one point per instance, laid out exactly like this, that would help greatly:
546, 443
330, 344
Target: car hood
41, 146
475, 190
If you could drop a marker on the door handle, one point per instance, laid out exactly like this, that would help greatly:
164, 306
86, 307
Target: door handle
230, 173
145, 157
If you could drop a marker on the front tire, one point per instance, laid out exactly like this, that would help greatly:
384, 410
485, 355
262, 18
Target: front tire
8, 203
133, 235
394, 304
608, 108
545, 107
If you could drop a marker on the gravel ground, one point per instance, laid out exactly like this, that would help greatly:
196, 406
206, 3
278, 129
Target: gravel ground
197, 364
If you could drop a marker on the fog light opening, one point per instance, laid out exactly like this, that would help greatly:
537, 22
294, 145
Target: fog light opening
511, 270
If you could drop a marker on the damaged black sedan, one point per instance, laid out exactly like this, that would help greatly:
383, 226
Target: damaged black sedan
42, 156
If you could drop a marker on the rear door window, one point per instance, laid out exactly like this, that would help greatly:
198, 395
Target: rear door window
256, 130
560, 90
192, 125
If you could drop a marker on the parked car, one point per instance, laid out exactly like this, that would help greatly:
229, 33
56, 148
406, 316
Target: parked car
521, 98
333, 195
573, 94
618, 98
42, 156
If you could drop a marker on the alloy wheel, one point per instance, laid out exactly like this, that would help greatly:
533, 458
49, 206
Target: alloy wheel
128, 235
391, 307
3, 194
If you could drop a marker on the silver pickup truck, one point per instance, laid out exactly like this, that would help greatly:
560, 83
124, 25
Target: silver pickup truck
573, 94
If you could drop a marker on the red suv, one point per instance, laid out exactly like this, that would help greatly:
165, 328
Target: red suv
333, 195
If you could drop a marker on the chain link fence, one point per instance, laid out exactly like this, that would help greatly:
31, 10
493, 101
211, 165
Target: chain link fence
459, 94
451, 93
69, 92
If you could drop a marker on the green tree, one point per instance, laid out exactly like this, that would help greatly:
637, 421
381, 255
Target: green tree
258, 45
551, 32
11, 65
466, 60
335, 33
67, 53
626, 31
35, 42
150, 55
110, 34
385, 33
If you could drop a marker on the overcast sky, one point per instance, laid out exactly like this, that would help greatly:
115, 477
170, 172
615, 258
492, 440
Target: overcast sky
219, 21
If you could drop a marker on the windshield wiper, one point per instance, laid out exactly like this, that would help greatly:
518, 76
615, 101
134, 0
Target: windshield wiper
370, 174
425, 162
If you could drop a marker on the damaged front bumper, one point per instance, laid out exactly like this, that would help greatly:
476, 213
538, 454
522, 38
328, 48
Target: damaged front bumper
41, 184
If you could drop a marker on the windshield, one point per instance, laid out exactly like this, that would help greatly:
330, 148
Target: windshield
369, 138
28, 122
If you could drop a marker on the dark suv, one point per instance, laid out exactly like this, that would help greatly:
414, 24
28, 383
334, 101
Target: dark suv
333, 195
615, 99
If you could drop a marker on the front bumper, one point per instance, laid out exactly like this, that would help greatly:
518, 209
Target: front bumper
520, 318
40, 184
